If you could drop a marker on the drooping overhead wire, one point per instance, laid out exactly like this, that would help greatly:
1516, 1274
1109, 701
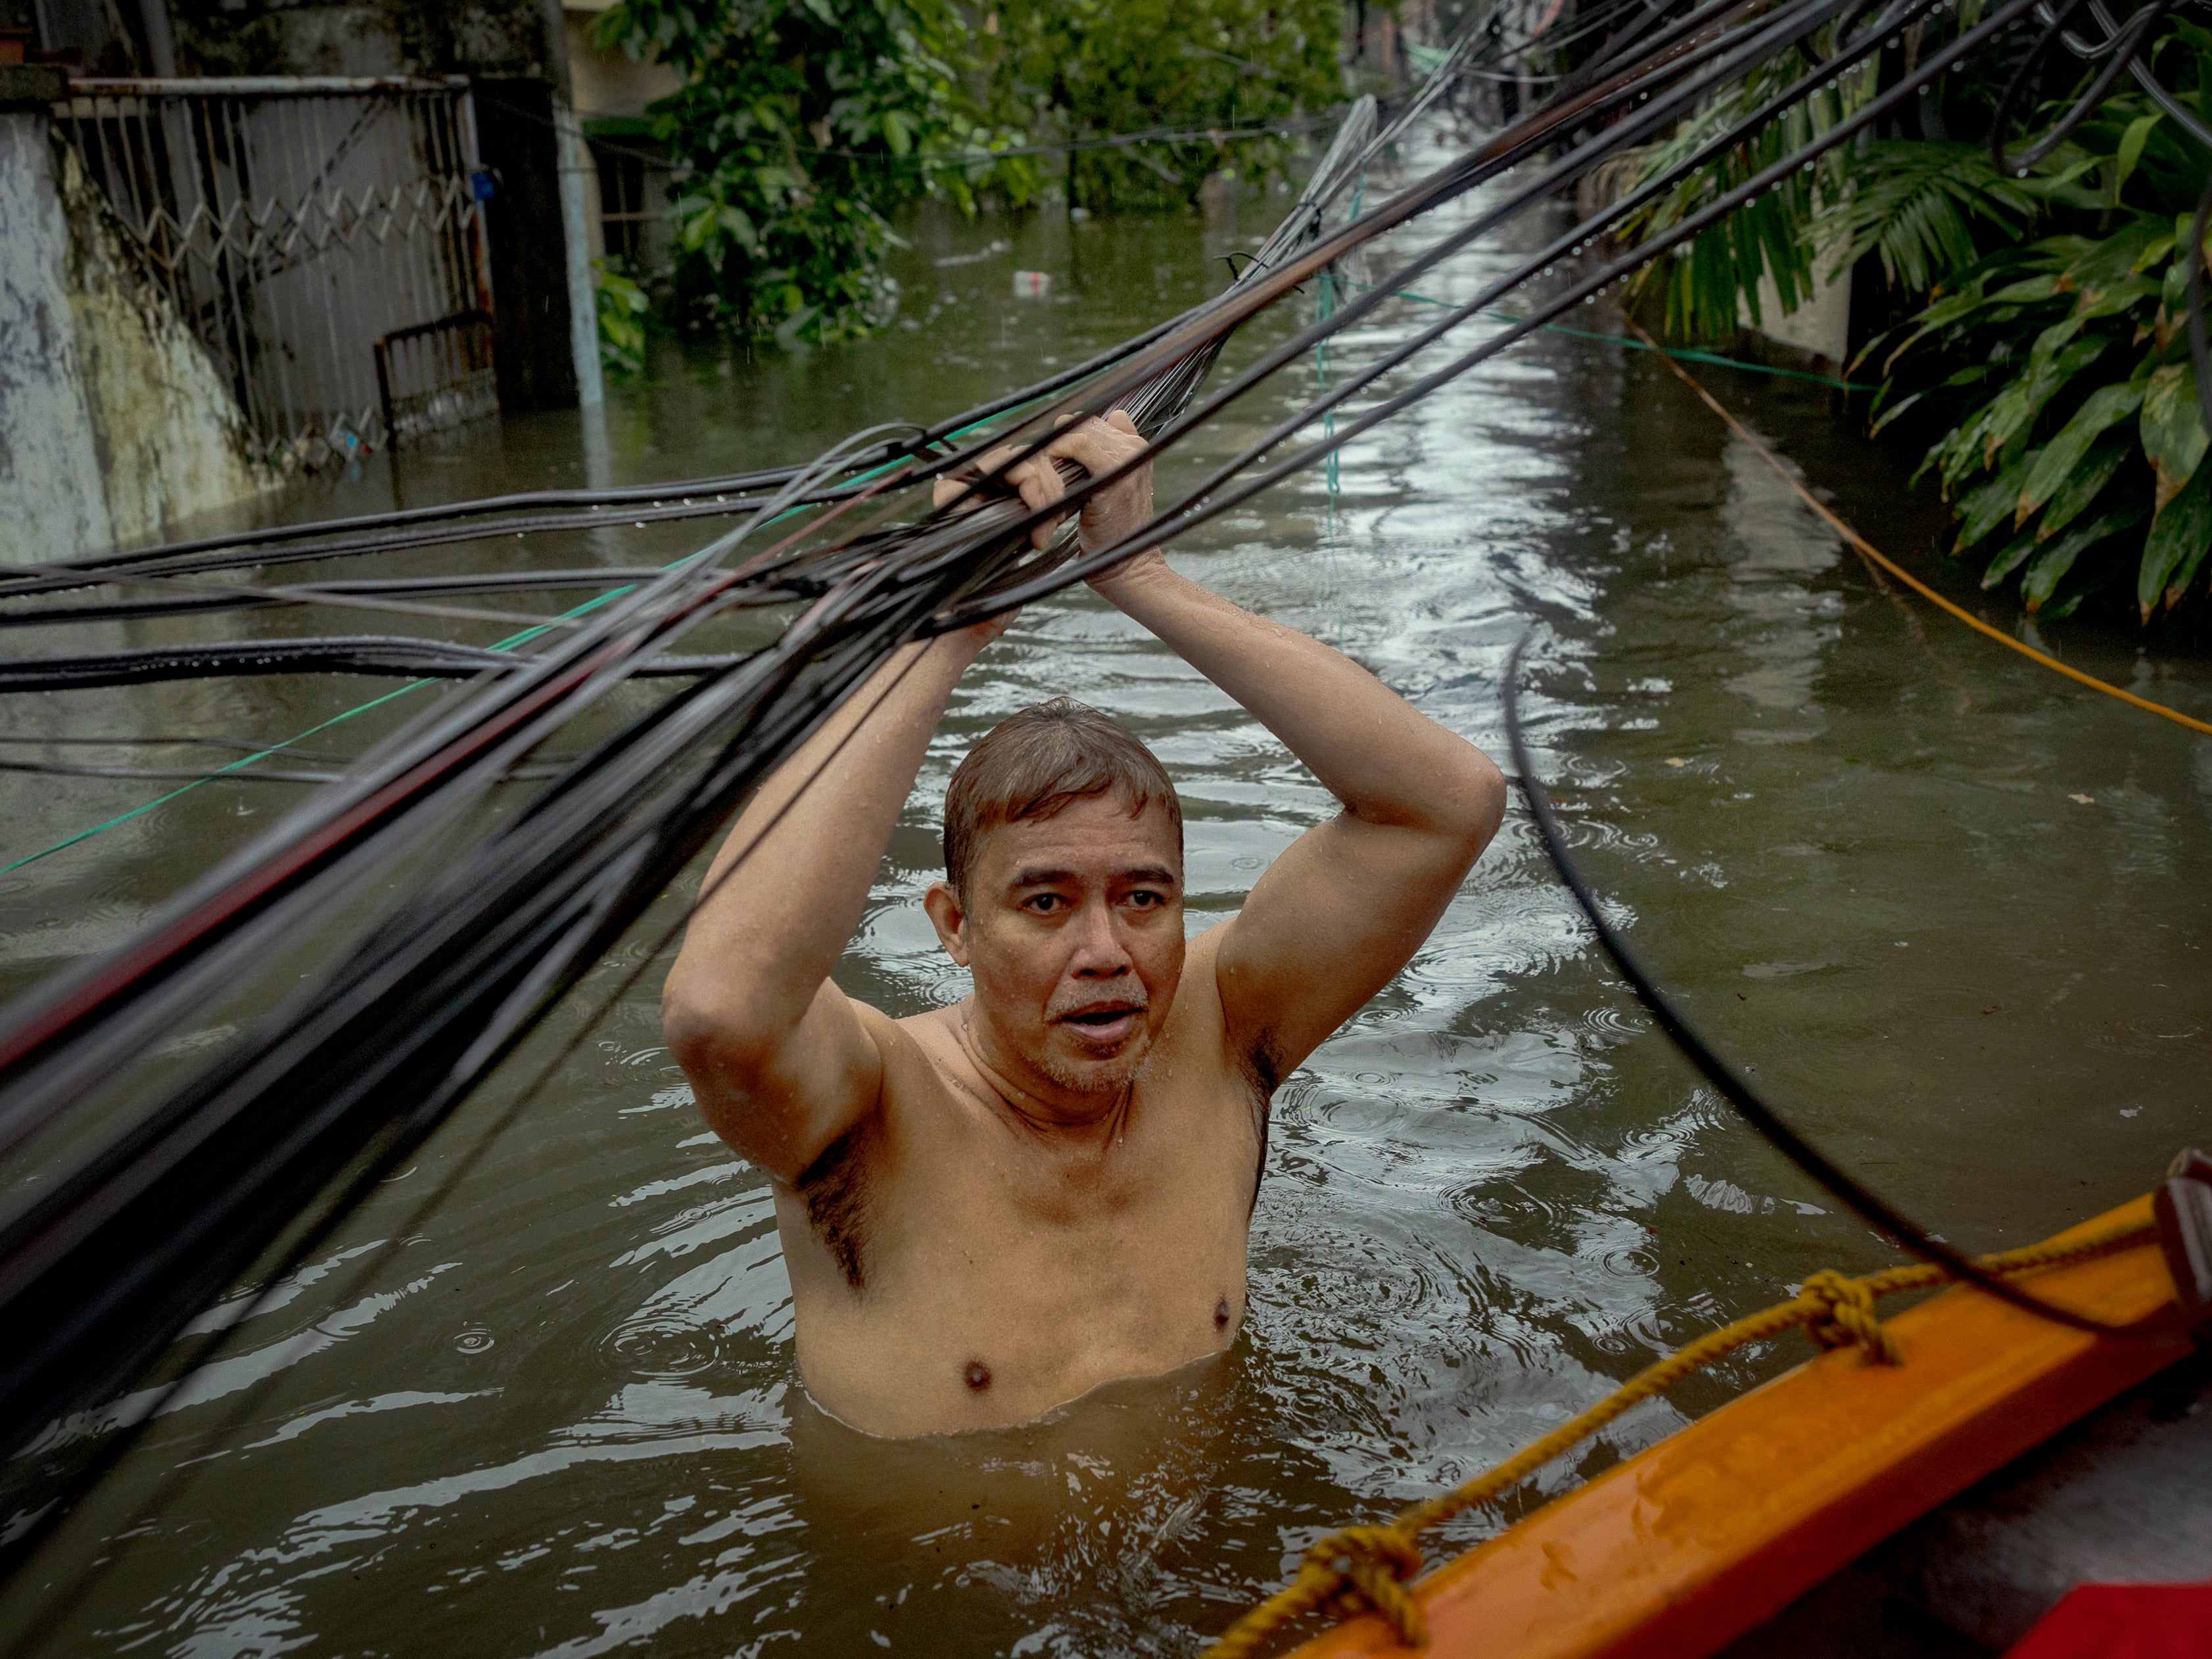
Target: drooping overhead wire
1776, 1131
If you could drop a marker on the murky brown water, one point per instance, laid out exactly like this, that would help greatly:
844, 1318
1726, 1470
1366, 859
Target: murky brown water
1949, 908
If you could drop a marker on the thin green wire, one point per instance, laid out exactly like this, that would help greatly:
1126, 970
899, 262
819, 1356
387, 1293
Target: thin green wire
506, 644
1324, 309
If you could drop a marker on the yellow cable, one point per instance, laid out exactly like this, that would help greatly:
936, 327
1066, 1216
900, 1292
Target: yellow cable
1360, 1567
1902, 574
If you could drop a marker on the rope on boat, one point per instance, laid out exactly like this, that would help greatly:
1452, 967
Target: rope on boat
1867, 549
1358, 1568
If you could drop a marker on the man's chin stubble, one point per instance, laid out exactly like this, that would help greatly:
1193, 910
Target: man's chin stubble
1100, 1077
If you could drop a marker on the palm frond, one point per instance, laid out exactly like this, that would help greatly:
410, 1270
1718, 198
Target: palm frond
1713, 286
1911, 203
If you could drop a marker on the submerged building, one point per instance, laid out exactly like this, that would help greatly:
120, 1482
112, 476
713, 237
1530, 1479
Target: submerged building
250, 240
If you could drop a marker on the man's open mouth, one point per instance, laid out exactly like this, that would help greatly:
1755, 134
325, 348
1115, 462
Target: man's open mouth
1110, 1019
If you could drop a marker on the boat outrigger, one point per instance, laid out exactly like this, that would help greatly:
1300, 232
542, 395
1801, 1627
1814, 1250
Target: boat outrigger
1683, 1547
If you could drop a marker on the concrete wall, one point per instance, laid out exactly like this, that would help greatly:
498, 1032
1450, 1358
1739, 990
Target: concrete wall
113, 423
604, 84
49, 466
170, 439
1821, 327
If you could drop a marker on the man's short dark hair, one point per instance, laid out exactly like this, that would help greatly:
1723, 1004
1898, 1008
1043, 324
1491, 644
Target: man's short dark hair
1035, 764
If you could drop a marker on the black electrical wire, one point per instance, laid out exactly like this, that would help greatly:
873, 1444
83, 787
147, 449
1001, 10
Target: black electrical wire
1869, 1206
2125, 45
2184, 116
386, 654
163, 775
195, 740
497, 581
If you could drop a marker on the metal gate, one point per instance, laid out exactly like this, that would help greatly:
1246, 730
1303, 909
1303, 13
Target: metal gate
302, 224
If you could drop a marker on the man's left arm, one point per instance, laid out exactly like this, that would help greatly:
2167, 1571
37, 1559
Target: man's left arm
1335, 917
1347, 905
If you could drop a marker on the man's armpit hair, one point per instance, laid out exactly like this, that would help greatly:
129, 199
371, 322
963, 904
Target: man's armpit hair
1261, 1072
835, 1188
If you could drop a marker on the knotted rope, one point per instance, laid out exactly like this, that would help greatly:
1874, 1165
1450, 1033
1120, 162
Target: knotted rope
1358, 1568
1846, 1316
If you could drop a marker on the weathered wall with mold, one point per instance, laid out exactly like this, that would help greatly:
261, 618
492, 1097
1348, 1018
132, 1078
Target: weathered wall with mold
113, 423
171, 438
49, 466
370, 37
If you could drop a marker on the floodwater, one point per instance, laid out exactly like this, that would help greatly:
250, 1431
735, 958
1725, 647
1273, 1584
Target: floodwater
1949, 909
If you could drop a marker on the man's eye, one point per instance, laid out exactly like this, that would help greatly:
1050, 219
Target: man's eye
1043, 903
1144, 899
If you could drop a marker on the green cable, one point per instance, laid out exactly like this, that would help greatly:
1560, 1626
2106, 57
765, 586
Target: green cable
529, 634
508, 644
126, 818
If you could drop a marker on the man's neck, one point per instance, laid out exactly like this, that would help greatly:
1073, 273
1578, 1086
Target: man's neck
1037, 1101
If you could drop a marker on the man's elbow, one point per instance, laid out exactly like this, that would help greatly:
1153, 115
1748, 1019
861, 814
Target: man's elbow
1474, 802
702, 1038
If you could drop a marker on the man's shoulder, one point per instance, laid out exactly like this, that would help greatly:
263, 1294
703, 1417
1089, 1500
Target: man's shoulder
915, 1045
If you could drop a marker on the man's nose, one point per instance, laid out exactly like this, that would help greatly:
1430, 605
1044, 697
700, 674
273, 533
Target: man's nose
1099, 952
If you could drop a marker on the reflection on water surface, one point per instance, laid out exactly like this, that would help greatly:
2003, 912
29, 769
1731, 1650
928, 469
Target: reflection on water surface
539, 1398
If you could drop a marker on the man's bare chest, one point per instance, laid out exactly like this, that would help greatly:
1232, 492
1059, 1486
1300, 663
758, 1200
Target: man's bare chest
976, 1267
976, 1194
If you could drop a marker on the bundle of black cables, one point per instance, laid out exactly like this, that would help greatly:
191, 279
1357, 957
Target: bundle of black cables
422, 934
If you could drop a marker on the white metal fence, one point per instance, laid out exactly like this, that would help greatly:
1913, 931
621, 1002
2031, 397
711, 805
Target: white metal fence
302, 223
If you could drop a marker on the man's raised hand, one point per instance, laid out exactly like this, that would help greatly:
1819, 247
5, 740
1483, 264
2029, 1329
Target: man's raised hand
1096, 445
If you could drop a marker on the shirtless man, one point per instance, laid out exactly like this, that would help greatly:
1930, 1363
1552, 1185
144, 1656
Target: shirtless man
991, 1209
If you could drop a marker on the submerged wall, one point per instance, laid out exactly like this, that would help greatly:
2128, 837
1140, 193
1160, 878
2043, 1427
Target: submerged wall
49, 468
113, 423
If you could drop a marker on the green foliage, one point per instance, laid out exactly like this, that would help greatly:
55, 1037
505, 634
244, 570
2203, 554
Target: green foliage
2074, 423
1915, 205
1713, 286
2056, 368
802, 124
623, 307
2093, 427
1085, 69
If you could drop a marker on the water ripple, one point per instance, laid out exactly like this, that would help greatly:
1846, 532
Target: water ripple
664, 1347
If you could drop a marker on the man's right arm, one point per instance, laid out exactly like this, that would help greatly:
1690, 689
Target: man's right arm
781, 1062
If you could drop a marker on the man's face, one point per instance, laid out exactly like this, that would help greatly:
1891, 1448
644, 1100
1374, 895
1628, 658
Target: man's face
1072, 927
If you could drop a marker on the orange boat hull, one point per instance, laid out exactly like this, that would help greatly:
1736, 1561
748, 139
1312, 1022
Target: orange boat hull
1682, 1548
